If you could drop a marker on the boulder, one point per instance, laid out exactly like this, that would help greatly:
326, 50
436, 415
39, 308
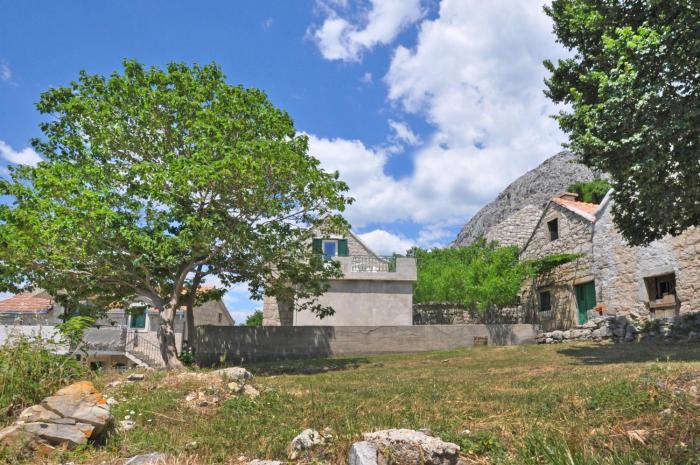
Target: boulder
235, 373
154, 458
363, 453
590, 324
409, 447
557, 335
305, 440
61, 434
579, 333
81, 402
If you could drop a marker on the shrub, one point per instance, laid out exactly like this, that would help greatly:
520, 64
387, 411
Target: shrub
591, 192
31, 372
256, 319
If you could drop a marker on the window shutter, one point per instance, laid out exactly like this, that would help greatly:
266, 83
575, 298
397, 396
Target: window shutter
343, 248
316, 247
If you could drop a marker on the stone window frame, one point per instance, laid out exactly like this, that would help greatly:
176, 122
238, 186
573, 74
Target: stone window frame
553, 232
544, 314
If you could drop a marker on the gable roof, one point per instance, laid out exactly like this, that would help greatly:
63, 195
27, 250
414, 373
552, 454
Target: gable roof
583, 209
26, 302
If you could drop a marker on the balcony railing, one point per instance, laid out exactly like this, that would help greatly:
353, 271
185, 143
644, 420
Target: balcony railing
373, 264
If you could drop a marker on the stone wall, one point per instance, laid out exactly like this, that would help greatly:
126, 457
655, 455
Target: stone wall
445, 313
620, 269
234, 344
575, 236
629, 328
517, 228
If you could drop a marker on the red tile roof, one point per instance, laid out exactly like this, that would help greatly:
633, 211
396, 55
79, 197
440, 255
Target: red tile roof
585, 208
25, 303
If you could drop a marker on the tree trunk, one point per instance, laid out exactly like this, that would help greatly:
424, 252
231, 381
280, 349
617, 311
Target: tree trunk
189, 307
166, 337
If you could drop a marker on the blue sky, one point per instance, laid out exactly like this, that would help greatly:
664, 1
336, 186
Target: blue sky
427, 108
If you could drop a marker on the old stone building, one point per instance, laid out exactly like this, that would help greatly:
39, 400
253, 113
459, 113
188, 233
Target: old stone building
610, 277
374, 290
658, 280
562, 297
517, 228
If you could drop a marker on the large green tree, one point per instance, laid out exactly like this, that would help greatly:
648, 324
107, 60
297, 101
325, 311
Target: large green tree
632, 86
155, 179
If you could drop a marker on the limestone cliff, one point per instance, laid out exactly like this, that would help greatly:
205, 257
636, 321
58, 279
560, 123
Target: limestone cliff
532, 189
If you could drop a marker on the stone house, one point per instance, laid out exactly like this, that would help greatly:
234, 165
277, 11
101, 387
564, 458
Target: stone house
374, 290
610, 277
659, 280
564, 296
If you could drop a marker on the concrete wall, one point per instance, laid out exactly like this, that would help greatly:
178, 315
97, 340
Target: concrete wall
620, 269
575, 236
234, 344
364, 298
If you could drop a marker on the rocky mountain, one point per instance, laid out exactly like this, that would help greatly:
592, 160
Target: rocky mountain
534, 188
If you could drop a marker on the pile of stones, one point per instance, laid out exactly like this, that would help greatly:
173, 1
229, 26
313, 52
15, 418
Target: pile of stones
71, 417
629, 328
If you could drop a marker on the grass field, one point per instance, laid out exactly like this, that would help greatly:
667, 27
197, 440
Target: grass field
568, 404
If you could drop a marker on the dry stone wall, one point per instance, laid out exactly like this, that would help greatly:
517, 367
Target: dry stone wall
517, 228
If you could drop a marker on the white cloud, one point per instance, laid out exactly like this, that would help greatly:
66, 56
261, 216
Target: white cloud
403, 133
340, 39
385, 243
366, 78
26, 156
475, 75
5, 72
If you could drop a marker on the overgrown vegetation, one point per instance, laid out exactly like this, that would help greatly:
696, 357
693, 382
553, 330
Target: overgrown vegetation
574, 404
29, 371
480, 275
592, 191
256, 319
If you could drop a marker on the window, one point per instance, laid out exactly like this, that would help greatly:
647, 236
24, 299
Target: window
553, 227
545, 301
330, 249
221, 317
138, 319
661, 287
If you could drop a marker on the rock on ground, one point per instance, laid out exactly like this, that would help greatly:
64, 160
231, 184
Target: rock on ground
264, 462
304, 441
235, 373
154, 458
407, 447
71, 417
363, 453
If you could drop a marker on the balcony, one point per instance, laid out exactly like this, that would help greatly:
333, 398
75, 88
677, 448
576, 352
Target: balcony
373, 267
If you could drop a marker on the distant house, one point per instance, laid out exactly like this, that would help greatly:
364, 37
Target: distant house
121, 337
610, 277
374, 290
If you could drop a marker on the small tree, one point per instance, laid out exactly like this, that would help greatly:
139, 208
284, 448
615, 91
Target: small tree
256, 319
633, 91
154, 177
592, 191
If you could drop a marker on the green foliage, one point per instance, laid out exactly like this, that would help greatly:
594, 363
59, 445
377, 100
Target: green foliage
153, 175
187, 356
631, 84
256, 319
74, 329
30, 371
591, 192
480, 275
548, 263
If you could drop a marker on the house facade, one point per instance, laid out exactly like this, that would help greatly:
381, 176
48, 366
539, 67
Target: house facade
609, 277
373, 291
564, 296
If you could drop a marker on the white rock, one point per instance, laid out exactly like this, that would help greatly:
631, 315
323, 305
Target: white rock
304, 441
127, 425
363, 453
250, 391
409, 447
136, 377
235, 373
265, 462
154, 458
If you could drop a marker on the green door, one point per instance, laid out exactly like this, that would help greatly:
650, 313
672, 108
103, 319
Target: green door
138, 320
585, 298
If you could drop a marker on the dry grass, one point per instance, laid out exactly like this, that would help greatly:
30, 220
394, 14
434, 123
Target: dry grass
574, 404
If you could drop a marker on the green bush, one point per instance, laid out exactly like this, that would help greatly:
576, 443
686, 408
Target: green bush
591, 192
29, 372
256, 319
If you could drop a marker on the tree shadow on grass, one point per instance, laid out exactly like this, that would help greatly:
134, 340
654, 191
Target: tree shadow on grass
632, 353
306, 366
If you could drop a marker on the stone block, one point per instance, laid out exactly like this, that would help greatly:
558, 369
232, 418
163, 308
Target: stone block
69, 435
409, 447
363, 453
